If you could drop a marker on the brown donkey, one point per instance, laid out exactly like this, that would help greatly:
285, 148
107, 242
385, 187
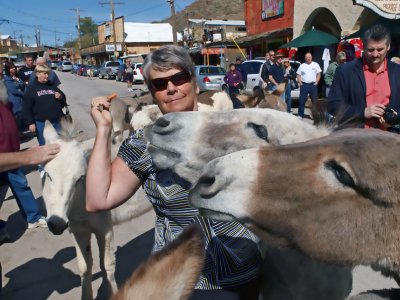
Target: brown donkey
336, 199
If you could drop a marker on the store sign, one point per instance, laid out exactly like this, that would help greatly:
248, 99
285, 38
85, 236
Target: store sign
217, 51
389, 9
271, 8
111, 48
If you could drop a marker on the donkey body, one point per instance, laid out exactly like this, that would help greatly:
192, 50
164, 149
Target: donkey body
185, 142
64, 197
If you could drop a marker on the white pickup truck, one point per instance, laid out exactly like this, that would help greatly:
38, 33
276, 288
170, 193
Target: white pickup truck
109, 69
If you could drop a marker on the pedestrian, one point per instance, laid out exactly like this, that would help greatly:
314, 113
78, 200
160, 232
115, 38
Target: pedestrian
290, 76
363, 88
238, 66
330, 72
15, 178
15, 93
52, 75
129, 76
269, 61
308, 76
43, 101
232, 262
276, 74
25, 71
233, 78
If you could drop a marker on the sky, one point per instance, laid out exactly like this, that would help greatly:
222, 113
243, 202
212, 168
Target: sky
57, 19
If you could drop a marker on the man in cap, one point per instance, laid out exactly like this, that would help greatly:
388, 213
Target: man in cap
330, 72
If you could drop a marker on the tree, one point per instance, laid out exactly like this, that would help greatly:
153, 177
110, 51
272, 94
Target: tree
88, 30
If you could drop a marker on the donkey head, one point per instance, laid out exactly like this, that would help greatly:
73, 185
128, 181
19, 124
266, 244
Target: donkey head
186, 141
336, 198
64, 179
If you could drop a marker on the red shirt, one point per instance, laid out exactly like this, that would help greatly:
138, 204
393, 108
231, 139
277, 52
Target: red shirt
378, 89
9, 137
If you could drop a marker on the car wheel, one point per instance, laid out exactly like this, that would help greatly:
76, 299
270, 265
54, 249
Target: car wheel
225, 88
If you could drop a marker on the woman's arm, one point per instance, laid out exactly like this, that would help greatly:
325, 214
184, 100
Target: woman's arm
107, 184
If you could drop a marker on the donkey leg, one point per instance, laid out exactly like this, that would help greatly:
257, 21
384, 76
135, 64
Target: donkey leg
85, 262
105, 241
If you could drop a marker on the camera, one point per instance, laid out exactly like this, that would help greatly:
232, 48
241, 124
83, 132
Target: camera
391, 117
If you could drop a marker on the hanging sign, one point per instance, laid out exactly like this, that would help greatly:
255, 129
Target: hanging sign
389, 9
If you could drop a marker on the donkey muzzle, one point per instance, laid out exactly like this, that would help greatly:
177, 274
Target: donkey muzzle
56, 225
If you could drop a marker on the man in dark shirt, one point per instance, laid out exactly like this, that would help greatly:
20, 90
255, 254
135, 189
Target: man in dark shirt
269, 61
25, 71
276, 73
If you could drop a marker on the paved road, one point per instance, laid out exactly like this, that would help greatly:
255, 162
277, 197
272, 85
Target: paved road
38, 265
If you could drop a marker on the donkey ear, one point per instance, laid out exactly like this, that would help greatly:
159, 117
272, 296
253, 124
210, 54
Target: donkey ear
49, 133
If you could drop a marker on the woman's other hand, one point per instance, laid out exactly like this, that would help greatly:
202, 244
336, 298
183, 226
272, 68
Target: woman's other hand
32, 128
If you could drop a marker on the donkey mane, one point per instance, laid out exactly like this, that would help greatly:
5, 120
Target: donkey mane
69, 131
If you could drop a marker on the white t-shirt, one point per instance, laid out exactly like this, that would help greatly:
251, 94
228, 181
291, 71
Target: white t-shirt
309, 72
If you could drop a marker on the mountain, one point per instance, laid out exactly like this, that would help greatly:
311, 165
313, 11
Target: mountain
209, 9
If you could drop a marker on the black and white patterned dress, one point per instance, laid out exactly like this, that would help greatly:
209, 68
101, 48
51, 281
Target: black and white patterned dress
232, 254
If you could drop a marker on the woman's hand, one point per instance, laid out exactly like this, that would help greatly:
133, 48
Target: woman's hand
58, 95
32, 128
100, 111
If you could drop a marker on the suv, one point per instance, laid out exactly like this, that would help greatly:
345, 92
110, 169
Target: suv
251, 71
137, 72
109, 69
64, 66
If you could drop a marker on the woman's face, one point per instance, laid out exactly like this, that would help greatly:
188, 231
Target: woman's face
42, 77
174, 98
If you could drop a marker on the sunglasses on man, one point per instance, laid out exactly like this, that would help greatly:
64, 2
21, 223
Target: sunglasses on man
160, 84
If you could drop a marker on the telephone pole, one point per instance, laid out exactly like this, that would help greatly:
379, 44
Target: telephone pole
113, 22
173, 20
79, 26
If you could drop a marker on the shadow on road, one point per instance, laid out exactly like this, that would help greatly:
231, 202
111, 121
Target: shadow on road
40, 277
133, 253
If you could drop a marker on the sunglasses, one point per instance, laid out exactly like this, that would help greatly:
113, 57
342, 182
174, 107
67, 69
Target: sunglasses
160, 84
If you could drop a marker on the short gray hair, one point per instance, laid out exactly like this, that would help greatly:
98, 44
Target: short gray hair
166, 58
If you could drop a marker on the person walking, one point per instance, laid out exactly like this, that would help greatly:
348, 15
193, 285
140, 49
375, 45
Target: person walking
25, 71
15, 178
15, 92
330, 72
290, 75
233, 78
363, 89
308, 76
232, 260
269, 61
43, 101
129, 76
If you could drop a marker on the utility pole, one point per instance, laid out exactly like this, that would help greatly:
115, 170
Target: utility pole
79, 26
173, 20
113, 23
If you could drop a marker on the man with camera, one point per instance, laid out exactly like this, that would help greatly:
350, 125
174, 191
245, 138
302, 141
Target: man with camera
366, 91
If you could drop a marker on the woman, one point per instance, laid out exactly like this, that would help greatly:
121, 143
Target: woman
290, 75
43, 101
233, 261
233, 78
129, 76
15, 92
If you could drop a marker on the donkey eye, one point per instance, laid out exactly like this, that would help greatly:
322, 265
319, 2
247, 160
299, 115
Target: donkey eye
260, 130
341, 174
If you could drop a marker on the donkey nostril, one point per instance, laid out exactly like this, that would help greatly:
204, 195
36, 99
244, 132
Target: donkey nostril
162, 122
207, 180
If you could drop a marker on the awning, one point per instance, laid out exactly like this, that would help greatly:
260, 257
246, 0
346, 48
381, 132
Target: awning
281, 33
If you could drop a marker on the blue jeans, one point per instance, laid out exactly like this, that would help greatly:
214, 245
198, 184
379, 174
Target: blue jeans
288, 97
40, 128
305, 90
23, 194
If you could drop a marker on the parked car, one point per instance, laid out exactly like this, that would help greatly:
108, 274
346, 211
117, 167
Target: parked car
75, 68
137, 72
52, 64
64, 66
209, 77
109, 69
81, 70
251, 71
94, 68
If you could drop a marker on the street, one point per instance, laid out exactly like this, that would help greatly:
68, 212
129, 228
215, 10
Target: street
38, 265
